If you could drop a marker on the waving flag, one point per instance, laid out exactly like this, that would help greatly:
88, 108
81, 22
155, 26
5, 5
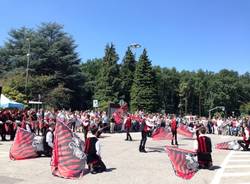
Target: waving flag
68, 159
230, 145
183, 130
117, 117
24, 146
161, 134
119, 113
183, 161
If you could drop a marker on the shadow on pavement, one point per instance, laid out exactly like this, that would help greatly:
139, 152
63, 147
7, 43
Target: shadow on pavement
156, 149
10, 180
214, 167
187, 138
107, 170
104, 136
110, 169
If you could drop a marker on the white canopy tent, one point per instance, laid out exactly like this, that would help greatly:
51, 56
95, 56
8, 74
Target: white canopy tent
7, 103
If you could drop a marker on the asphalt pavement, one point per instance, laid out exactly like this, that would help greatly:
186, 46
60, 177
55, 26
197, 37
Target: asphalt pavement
126, 165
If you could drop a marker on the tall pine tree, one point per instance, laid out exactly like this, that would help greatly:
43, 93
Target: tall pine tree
144, 90
127, 75
108, 83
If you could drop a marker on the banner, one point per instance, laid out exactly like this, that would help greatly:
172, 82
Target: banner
161, 134
184, 162
24, 145
68, 159
183, 130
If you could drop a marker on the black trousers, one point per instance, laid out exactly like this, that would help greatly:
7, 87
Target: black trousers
143, 140
2, 132
204, 160
85, 131
174, 136
128, 134
99, 166
47, 151
243, 144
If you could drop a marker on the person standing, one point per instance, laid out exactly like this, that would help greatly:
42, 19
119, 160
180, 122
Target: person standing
104, 121
144, 131
174, 130
128, 124
3, 120
112, 124
48, 142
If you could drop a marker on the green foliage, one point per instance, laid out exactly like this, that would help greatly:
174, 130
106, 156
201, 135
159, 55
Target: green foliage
245, 108
144, 90
59, 97
53, 61
108, 84
13, 94
168, 81
127, 75
91, 70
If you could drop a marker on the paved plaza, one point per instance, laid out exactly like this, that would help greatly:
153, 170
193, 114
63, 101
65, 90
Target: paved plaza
126, 165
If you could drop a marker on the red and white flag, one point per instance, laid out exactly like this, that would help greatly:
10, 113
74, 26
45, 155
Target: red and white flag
24, 146
184, 162
68, 159
161, 134
183, 130
230, 145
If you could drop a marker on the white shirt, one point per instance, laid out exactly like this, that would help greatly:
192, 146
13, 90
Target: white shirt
27, 126
98, 148
49, 138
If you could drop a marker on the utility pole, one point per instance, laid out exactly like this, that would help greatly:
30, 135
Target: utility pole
27, 70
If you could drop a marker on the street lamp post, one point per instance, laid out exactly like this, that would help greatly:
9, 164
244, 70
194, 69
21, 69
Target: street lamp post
135, 46
27, 69
217, 107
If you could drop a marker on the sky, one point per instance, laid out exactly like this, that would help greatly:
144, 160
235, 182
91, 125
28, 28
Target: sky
185, 34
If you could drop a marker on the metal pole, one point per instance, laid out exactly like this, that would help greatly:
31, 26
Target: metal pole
1, 87
27, 70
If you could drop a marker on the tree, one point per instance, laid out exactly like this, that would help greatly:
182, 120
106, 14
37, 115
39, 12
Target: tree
144, 90
108, 84
13, 94
52, 58
168, 83
91, 69
245, 108
59, 97
127, 75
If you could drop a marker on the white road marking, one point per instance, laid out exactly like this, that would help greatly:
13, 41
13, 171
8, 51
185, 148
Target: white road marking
233, 174
240, 160
237, 166
241, 156
219, 173
242, 152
